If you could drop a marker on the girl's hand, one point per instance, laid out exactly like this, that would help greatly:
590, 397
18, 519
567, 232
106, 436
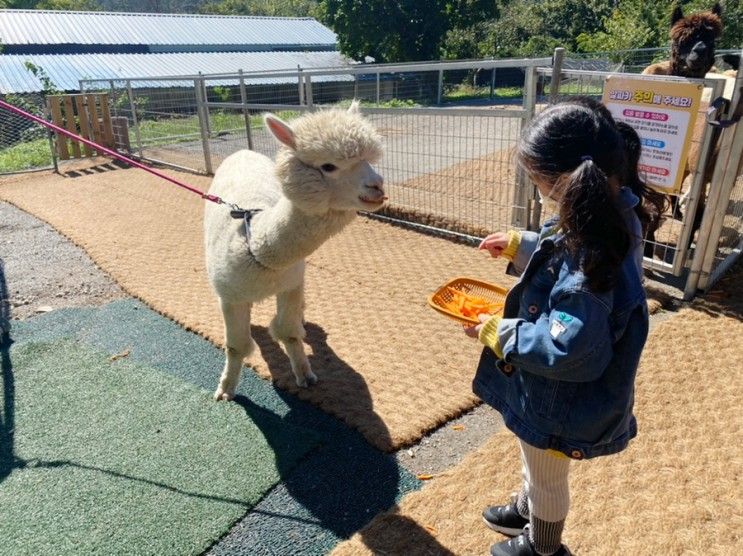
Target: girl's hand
474, 331
495, 244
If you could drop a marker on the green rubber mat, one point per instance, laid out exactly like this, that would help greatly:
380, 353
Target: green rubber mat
328, 496
103, 456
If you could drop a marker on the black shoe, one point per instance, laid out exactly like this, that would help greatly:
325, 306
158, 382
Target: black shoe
505, 519
521, 546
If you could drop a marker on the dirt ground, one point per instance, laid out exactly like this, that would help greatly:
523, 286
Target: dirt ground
45, 272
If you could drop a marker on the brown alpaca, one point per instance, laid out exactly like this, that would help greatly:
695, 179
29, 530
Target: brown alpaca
692, 56
692, 44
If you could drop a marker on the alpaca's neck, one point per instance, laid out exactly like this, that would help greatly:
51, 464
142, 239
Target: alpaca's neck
283, 234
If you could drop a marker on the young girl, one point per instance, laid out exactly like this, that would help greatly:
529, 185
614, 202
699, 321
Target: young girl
653, 204
560, 364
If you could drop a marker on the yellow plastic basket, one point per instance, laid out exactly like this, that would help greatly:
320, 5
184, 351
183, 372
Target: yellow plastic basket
443, 295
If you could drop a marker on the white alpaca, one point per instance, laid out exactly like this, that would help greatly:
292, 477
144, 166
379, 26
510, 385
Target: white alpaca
322, 176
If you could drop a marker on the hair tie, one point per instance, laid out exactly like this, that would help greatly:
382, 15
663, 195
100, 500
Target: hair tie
586, 157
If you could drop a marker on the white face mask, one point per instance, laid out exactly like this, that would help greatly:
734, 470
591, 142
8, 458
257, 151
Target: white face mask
548, 203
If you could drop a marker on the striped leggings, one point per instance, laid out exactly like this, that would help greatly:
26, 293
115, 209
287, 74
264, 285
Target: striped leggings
545, 475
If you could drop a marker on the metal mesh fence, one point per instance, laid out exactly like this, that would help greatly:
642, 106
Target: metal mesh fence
630, 61
669, 248
24, 145
448, 133
449, 129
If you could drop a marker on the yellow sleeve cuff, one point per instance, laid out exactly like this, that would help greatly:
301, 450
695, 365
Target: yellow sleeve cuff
514, 240
488, 336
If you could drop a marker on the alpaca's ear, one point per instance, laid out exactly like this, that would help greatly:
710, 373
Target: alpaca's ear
717, 9
676, 15
281, 130
354, 108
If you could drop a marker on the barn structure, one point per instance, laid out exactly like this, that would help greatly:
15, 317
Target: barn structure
68, 46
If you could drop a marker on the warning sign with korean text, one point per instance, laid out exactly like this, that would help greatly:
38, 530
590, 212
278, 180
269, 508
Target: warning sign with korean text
663, 115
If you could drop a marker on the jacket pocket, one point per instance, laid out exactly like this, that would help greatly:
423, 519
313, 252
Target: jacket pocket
550, 399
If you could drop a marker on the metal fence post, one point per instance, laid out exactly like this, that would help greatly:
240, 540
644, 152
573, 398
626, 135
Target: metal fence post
377, 88
135, 120
308, 90
113, 96
205, 99
526, 213
441, 87
695, 193
202, 111
246, 112
723, 181
50, 136
300, 85
557, 59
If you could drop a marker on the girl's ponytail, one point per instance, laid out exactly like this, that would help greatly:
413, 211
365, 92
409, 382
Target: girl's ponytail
578, 149
595, 231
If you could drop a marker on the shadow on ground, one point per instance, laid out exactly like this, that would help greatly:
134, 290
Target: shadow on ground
7, 390
329, 495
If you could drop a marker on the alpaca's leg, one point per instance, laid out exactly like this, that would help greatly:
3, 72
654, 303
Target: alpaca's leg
287, 327
238, 345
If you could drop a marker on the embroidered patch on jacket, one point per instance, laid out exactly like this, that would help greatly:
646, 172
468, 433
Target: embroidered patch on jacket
557, 328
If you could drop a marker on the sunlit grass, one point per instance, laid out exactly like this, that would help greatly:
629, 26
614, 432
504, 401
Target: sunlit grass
24, 156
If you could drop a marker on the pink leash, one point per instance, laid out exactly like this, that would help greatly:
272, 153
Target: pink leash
113, 154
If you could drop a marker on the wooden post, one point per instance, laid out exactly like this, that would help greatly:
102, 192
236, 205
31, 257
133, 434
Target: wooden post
84, 122
69, 116
55, 109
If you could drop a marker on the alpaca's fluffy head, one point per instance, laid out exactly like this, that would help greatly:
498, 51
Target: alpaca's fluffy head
325, 162
693, 41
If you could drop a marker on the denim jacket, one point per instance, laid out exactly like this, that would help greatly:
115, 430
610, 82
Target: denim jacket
570, 355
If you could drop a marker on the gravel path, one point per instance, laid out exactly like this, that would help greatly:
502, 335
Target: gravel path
43, 271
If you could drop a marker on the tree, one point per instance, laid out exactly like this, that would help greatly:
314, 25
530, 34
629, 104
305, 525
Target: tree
535, 28
75, 5
628, 27
639, 24
397, 31
276, 8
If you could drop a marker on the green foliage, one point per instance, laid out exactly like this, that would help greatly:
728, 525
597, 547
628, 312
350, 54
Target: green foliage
535, 28
643, 24
31, 154
626, 28
276, 8
398, 31
407, 30
152, 6
466, 91
47, 85
223, 94
77, 5
140, 105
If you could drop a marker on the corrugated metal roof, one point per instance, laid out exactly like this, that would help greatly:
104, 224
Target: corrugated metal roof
66, 70
50, 27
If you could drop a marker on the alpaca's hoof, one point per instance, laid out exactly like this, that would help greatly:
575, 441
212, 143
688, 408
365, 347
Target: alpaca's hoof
223, 395
308, 379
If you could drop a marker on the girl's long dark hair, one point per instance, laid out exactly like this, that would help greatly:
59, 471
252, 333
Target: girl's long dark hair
653, 204
578, 149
